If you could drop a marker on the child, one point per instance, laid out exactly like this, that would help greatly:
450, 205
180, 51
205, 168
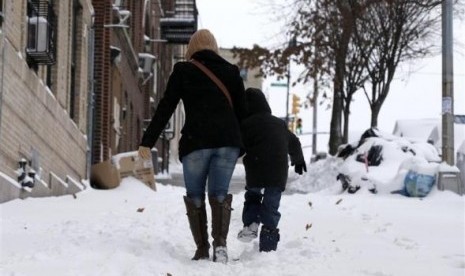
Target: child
268, 142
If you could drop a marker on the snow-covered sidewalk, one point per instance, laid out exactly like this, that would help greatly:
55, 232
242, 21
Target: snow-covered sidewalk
132, 230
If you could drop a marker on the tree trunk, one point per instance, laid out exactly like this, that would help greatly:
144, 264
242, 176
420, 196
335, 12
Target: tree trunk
375, 108
335, 135
345, 137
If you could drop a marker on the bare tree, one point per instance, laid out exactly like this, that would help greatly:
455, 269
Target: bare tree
353, 42
399, 31
330, 26
324, 29
355, 78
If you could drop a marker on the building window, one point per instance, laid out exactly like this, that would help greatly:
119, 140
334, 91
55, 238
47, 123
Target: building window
1, 14
75, 49
40, 48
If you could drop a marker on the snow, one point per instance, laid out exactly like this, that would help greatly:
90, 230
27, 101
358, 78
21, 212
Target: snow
461, 149
417, 129
132, 230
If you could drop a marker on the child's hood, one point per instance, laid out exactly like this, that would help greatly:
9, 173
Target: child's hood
256, 101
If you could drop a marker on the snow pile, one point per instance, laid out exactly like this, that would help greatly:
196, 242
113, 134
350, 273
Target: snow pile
378, 163
320, 176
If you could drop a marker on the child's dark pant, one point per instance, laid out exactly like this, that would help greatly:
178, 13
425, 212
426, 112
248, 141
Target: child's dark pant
262, 207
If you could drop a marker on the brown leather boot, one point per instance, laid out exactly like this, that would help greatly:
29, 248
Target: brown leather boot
221, 216
197, 217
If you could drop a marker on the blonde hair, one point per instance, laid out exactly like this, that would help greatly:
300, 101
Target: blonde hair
202, 39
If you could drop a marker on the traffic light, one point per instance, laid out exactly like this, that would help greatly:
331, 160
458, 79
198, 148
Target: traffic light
295, 104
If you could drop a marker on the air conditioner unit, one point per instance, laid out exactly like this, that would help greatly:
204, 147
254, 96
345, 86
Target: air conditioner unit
37, 34
117, 3
146, 61
123, 15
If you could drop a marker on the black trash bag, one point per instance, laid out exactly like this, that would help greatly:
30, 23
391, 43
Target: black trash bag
345, 180
374, 156
371, 132
353, 189
406, 149
346, 151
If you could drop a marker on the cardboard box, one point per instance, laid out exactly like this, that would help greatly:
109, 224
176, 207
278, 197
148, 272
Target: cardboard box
129, 164
144, 172
104, 175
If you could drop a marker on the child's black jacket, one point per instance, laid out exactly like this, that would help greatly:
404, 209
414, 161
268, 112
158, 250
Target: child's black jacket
267, 142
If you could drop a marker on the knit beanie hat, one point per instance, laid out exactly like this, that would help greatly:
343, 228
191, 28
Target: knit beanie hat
202, 39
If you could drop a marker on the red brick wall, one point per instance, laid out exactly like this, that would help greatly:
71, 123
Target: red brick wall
101, 131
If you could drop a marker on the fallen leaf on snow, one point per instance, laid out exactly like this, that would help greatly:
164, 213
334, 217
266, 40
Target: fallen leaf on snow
308, 226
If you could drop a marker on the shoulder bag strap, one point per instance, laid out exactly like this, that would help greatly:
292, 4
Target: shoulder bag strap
214, 78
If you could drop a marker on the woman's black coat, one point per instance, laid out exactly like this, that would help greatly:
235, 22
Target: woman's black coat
210, 120
268, 142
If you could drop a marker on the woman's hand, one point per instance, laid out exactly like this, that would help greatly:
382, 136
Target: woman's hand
145, 153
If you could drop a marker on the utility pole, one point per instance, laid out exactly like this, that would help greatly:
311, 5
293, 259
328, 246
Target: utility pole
315, 112
287, 93
292, 43
447, 84
2, 58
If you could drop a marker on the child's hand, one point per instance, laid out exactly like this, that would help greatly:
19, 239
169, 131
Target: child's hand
300, 168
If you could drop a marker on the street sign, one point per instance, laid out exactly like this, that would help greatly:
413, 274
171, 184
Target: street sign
279, 84
459, 119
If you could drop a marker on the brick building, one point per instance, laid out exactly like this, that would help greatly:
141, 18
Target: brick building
44, 92
129, 41
79, 79
120, 86
177, 23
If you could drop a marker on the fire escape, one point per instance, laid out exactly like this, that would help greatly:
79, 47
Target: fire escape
176, 28
181, 23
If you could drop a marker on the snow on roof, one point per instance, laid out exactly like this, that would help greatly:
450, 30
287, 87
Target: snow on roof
422, 130
418, 129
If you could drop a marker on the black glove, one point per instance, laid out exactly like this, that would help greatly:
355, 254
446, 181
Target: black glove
300, 168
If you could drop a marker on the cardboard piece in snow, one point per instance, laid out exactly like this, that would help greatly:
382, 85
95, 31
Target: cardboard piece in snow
130, 164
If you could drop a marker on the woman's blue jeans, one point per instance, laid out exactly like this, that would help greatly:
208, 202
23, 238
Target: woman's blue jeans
261, 206
214, 165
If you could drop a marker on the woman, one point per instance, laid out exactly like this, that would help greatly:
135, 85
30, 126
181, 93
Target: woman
211, 139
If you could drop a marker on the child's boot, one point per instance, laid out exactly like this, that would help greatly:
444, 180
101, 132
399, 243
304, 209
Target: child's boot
269, 239
248, 233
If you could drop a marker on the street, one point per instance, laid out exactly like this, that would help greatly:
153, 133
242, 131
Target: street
237, 182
